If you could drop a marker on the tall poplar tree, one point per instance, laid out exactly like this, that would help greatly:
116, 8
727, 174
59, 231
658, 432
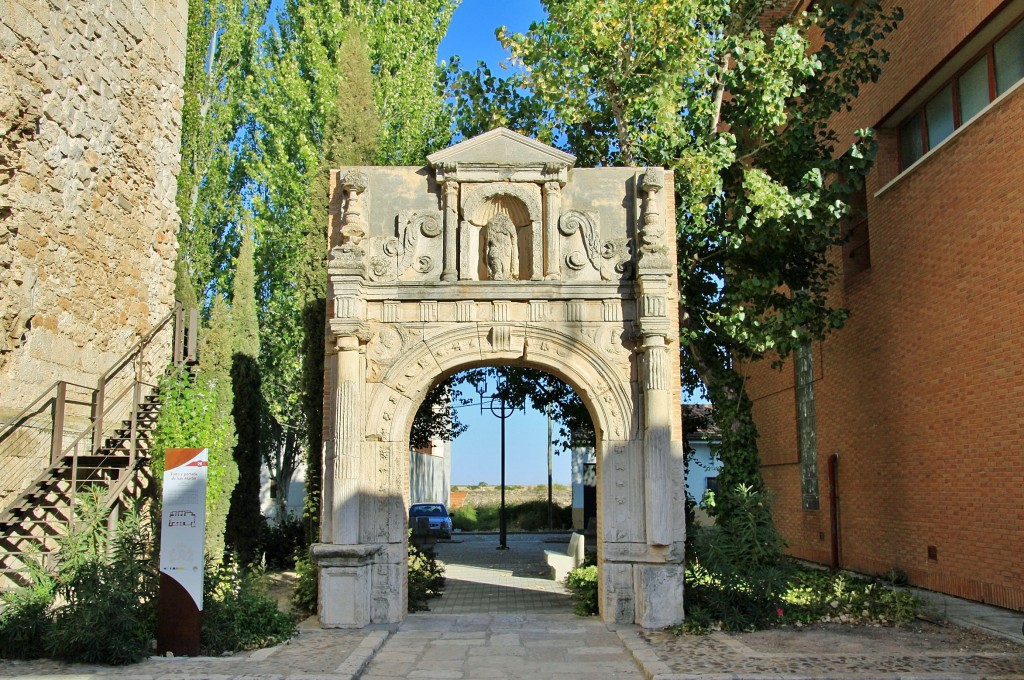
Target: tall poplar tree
220, 43
741, 115
350, 83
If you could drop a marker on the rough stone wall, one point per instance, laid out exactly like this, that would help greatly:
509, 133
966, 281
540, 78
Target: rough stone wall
90, 116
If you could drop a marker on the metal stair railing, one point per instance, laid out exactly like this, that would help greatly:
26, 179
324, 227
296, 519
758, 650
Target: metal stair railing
99, 451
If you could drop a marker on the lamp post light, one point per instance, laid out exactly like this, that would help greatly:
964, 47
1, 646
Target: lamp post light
501, 409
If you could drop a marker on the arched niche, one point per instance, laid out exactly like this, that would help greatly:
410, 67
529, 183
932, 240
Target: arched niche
521, 203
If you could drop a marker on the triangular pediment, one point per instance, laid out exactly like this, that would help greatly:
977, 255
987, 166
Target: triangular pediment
502, 150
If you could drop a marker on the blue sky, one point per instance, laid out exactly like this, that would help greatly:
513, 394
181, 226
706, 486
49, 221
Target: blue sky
476, 454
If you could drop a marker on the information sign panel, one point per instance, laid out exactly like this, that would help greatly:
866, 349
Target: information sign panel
184, 519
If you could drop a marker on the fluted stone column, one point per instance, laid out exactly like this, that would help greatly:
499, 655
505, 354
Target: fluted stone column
348, 436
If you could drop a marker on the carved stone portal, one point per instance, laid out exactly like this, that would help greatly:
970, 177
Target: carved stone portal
499, 253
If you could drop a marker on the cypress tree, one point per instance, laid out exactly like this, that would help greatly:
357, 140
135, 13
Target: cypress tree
244, 519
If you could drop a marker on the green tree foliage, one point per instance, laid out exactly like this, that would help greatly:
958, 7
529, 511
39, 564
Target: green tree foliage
520, 386
403, 36
741, 115
196, 413
249, 410
338, 84
220, 43
436, 418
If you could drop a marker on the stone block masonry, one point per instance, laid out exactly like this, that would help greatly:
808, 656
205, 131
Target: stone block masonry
90, 129
90, 116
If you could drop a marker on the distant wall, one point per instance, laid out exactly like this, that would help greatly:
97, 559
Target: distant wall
90, 126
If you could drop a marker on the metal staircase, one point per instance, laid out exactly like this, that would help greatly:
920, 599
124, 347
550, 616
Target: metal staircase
76, 437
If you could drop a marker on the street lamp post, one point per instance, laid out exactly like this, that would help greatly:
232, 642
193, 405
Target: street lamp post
501, 409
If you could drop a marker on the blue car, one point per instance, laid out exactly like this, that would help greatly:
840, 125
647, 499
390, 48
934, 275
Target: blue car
438, 522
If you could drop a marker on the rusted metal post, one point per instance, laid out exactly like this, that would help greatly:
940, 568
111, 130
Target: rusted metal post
57, 436
193, 335
97, 414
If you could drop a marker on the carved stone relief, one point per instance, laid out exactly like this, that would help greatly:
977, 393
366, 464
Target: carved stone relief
414, 253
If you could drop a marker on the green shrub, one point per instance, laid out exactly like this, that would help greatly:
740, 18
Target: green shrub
582, 585
533, 516
528, 516
464, 518
818, 595
25, 618
106, 592
305, 597
426, 578
280, 541
739, 573
109, 610
238, 614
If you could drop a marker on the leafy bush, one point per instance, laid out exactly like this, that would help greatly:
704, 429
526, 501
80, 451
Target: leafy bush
465, 518
109, 610
819, 595
305, 597
426, 578
100, 605
238, 614
527, 516
24, 618
739, 573
280, 541
582, 585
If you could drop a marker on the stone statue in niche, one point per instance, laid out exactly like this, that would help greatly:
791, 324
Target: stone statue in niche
502, 251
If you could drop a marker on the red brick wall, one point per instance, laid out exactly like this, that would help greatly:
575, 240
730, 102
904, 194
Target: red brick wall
922, 394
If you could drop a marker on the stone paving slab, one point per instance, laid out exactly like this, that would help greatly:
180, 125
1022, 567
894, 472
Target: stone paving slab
481, 579
503, 647
314, 654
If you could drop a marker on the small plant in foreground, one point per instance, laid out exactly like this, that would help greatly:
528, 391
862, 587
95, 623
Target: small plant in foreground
24, 617
818, 595
426, 578
238, 614
305, 597
582, 585
739, 573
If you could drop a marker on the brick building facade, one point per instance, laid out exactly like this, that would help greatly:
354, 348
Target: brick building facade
921, 396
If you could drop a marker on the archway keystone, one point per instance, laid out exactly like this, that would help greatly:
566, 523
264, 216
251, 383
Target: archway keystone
424, 282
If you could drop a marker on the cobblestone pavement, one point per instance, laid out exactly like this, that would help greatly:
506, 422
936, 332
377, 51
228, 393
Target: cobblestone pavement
503, 646
829, 650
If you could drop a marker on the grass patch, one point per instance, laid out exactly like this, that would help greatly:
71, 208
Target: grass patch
527, 516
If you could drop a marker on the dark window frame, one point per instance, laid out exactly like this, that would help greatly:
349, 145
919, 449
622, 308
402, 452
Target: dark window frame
987, 52
856, 235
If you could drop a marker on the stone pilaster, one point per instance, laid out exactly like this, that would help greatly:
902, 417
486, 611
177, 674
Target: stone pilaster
552, 207
451, 225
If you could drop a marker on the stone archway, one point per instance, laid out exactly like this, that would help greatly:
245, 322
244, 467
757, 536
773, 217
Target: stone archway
415, 296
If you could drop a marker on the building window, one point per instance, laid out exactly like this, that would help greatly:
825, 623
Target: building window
999, 67
856, 241
807, 434
711, 484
